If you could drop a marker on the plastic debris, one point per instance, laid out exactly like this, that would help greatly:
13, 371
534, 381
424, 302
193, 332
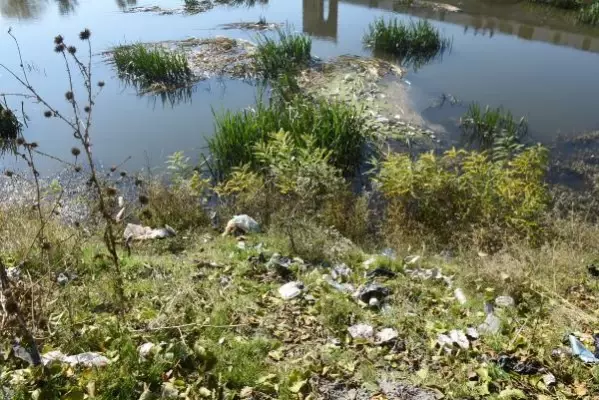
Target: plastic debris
459, 337
593, 270
241, 223
582, 352
342, 287
549, 379
340, 272
492, 323
522, 367
389, 253
280, 265
505, 301
291, 290
472, 333
13, 273
460, 296
372, 294
380, 272
427, 274
62, 279
411, 259
361, 331
386, 335
145, 349
83, 359
138, 232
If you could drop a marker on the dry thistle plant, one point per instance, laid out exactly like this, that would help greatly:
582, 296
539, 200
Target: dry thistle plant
78, 119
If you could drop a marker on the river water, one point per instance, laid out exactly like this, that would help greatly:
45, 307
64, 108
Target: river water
533, 61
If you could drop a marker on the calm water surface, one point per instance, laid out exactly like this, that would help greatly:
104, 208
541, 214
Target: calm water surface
528, 60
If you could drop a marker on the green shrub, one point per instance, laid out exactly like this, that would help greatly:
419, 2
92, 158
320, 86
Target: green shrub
462, 192
151, 65
590, 14
416, 42
494, 130
288, 54
333, 125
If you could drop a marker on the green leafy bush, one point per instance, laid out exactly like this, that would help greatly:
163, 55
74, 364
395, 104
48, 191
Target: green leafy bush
415, 42
460, 193
10, 129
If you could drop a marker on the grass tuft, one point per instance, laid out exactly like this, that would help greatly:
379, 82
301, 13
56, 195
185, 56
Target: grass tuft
289, 53
415, 42
151, 65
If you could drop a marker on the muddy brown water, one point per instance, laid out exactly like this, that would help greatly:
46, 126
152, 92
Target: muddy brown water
534, 61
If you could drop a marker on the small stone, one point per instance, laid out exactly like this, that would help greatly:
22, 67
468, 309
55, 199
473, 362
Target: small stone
361, 331
505, 301
386, 335
291, 290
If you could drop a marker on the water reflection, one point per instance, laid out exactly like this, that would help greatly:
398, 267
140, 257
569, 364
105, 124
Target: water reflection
32, 9
320, 18
124, 4
488, 18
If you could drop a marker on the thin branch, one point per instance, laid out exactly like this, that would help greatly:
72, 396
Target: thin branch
197, 325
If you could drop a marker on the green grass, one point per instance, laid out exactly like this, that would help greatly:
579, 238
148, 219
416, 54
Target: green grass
151, 65
413, 42
336, 126
590, 14
288, 53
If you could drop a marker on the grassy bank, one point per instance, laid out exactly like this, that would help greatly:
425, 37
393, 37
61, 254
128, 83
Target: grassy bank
205, 319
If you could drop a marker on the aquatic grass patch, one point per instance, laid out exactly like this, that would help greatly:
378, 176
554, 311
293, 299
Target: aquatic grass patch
589, 14
493, 129
336, 126
287, 53
152, 65
10, 129
413, 42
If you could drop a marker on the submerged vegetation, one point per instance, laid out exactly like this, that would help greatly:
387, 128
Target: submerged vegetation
413, 43
494, 130
149, 66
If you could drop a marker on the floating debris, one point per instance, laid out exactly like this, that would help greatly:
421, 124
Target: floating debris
252, 26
